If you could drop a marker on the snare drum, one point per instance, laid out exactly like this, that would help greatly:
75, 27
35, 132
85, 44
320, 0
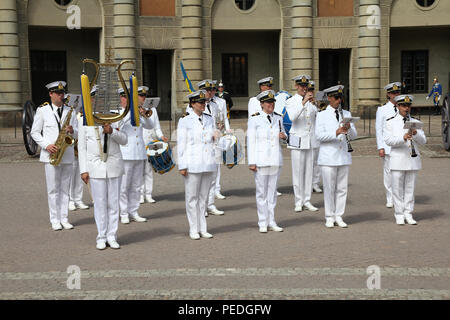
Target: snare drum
159, 155
232, 152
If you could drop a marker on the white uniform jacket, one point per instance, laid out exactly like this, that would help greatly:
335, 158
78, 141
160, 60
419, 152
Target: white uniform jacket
155, 133
383, 113
254, 106
45, 130
333, 150
263, 142
135, 148
89, 151
303, 119
400, 149
222, 108
195, 144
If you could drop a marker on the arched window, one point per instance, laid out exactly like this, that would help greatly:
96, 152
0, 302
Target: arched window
425, 3
63, 2
244, 4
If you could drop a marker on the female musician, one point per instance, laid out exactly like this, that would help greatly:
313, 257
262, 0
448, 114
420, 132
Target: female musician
197, 162
265, 129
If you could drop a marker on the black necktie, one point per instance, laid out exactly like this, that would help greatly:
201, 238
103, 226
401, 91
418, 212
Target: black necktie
268, 117
404, 119
395, 108
200, 119
337, 114
105, 143
209, 110
60, 110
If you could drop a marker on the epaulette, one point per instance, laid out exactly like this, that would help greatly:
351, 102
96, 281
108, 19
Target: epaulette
185, 115
255, 114
320, 110
44, 104
277, 114
390, 118
207, 114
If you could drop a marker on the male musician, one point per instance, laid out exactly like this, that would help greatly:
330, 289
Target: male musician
316, 167
149, 135
265, 159
334, 156
76, 184
226, 96
133, 154
404, 166
302, 112
436, 92
254, 105
217, 110
101, 165
197, 162
384, 112
45, 131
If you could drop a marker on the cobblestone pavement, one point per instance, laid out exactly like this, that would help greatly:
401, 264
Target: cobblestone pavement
157, 260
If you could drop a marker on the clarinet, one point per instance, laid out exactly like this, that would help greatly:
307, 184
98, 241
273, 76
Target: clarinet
349, 146
413, 150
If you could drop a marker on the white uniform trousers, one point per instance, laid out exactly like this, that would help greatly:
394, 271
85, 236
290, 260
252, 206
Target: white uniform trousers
130, 187
316, 168
335, 185
403, 183
212, 189
217, 189
76, 184
266, 181
196, 188
302, 173
58, 181
147, 184
105, 193
387, 178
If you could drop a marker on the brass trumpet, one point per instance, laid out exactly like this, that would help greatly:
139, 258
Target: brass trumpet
147, 113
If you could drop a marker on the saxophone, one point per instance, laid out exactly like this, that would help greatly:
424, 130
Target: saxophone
64, 140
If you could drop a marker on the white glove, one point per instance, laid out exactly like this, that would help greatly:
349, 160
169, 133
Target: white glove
427, 97
439, 98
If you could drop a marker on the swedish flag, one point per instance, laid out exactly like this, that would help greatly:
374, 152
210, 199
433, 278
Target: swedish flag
189, 85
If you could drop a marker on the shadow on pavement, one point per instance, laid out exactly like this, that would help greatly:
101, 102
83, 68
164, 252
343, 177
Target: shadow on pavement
300, 220
141, 236
428, 215
365, 216
422, 199
233, 227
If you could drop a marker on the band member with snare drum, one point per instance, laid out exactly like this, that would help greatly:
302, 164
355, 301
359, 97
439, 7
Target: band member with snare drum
334, 155
196, 137
405, 159
47, 129
265, 159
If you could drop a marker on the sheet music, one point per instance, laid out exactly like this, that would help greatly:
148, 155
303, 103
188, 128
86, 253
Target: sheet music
350, 119
294, 141
413, 125
151, 103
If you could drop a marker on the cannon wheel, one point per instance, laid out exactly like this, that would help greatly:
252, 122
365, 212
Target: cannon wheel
29, 110
446, 123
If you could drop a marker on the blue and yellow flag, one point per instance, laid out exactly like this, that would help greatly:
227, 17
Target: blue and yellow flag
134, 103
189, 85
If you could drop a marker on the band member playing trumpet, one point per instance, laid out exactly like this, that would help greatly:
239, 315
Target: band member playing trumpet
334, 156
103, 176
46, 128
196, 135
133, 154
302, 112
149, 135
403, 164
265, 130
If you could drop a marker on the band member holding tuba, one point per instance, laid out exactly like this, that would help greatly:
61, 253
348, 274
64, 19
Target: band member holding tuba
405, 159
265, 159
384, 112
149, 135
302, 112
133, 154
196, 135
334, 155
52, 123
103, 176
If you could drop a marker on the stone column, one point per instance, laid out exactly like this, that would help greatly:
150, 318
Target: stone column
191, 40
368, 59
302, 40
125, 35
10, 85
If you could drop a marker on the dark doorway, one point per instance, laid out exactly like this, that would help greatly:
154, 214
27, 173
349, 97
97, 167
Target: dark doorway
235, 73
157, 75
46, 67
334, 69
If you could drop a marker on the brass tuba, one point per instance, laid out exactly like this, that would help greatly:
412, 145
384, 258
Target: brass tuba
64, 140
